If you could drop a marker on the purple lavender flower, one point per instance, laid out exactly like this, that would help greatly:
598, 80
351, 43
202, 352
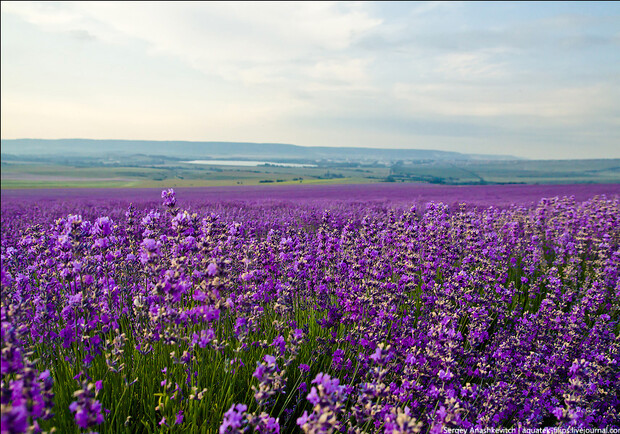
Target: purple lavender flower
88, 410
150, 250
476, 315
234, 419
211, 269
270, 378
15, 419
179, 418
445, 375
327, 399
169, 198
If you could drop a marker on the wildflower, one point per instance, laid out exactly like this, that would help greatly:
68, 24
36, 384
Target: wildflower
234, 419
327, 399
169, 198
445, 375
271, 380
150, 250
14, 419
211, 269
88, 410
179, 418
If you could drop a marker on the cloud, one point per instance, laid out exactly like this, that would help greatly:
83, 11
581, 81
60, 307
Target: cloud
472, 66
347, 72
251, 42
59, 17
82, 35
315, 72
49, 15
423, 34
570, 104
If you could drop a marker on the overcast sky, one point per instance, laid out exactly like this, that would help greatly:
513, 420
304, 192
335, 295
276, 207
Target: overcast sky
536, 80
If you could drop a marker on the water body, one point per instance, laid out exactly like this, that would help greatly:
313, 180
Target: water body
246, 163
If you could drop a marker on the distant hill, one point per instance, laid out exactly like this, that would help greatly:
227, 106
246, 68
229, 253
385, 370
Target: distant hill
224, 150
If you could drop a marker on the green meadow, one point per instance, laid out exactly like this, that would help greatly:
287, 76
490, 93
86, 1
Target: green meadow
172, 173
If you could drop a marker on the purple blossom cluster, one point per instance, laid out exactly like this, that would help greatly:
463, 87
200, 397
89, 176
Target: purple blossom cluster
345, 317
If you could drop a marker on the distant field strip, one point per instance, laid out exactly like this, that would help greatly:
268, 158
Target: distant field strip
33, 177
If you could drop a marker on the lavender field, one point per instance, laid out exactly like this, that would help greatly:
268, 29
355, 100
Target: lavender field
391, 308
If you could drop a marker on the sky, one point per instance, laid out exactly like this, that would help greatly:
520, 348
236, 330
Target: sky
534, 80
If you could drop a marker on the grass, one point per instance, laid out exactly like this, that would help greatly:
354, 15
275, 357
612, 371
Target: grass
34, 176
23, 184
131, 403
31, 175
19, 184
517, 171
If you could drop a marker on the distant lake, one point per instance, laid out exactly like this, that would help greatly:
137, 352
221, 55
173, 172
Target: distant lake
246, 163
